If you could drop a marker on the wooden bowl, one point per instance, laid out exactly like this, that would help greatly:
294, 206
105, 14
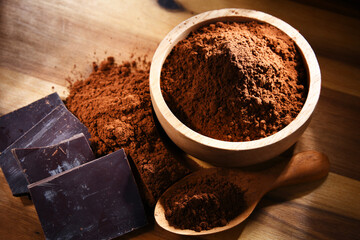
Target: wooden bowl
224, 153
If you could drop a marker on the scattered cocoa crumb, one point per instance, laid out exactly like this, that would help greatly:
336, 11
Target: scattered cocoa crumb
114, 103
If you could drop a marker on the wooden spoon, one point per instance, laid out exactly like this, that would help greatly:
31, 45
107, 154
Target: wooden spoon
303, 167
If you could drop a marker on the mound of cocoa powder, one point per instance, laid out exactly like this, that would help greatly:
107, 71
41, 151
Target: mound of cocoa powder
203, 202
114, 103
235, 81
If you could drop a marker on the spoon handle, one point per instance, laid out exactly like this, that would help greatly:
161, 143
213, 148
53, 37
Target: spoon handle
303, 167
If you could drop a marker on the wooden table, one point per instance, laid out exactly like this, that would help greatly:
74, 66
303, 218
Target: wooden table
43, 42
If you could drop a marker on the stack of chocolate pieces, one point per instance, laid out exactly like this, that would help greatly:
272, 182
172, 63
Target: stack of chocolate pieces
46, 153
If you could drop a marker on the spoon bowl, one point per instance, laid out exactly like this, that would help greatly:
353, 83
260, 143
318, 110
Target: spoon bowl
303, 167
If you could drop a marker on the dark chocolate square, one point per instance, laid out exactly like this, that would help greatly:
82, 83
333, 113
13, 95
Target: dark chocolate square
42, 162
96, 200
14, 124
58, 125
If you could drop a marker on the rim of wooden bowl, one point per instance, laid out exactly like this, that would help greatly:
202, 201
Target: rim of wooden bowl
182, 30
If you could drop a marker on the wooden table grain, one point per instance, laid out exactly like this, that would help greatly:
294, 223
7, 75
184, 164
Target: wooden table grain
44, 42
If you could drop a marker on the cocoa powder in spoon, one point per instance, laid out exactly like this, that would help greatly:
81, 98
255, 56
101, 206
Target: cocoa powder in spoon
203, 201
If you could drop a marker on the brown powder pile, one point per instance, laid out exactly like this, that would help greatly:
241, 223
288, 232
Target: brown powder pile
203, 202
235, 81
114, 103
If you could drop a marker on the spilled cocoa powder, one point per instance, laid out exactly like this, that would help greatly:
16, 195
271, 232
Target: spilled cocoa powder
114, 103
235, 81
202, 202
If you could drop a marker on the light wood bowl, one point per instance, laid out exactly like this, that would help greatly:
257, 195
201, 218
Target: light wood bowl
224, 153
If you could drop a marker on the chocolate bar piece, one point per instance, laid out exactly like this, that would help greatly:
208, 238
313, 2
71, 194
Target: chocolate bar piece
96, 200
14, 124
42, 162
58, 125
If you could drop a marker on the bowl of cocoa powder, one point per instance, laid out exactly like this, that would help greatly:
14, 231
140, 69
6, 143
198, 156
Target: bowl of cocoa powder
234, 87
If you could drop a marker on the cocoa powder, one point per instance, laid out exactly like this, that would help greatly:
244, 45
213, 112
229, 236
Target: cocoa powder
203, 201
114, 103
235, 81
